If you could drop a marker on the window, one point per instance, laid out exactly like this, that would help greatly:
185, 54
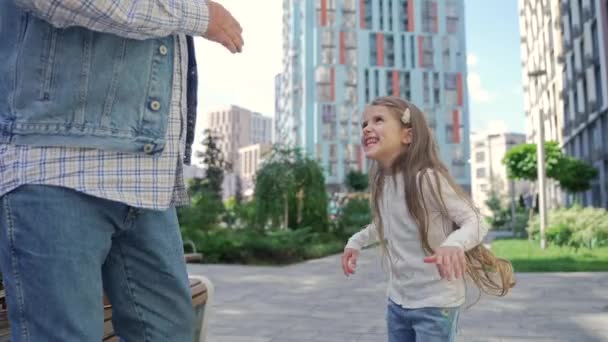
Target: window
427, 52
436, 95
452, 20
373, 52
480, 172
446, 53
389, 49
429, 16
402, 14
381, 15
426, 94
480, 157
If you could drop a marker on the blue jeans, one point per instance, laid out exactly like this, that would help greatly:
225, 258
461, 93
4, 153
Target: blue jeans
60, 250
421, 325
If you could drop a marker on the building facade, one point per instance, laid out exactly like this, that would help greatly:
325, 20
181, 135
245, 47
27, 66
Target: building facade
251, 158
564, 59
585, 91
542, 55
238, 127
489, 174
341, 54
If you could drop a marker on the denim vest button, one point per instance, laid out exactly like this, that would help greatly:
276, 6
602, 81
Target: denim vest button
163, 50
148, 148
155, 105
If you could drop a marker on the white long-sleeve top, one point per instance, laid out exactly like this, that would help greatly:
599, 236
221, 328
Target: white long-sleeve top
413, 283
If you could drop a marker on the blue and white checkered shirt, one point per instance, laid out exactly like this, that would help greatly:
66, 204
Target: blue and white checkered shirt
154, 182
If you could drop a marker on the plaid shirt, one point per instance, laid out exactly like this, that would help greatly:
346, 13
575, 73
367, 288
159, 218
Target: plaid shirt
154, 182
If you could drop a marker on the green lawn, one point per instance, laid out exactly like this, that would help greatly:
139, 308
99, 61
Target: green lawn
527, 256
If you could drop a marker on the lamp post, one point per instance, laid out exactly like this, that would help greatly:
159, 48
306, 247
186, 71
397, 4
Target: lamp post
542, 180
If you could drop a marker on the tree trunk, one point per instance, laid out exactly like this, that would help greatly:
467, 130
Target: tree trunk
286, 224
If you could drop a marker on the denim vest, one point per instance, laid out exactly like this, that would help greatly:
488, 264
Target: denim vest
78, 88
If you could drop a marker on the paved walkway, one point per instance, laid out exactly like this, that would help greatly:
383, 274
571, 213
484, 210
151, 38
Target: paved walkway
314, 302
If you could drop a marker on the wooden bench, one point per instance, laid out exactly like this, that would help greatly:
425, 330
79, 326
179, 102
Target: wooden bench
202, 293
4, 329
193, 256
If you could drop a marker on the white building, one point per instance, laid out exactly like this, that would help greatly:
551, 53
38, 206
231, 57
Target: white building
542, 51
489, 173
250, 159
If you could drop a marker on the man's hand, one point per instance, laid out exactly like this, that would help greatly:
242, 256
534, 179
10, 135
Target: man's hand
223, 28
450, 261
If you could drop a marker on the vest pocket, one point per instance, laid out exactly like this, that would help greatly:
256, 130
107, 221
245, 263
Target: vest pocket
48, 62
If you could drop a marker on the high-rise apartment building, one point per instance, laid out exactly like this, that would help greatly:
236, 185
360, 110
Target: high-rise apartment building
542, 76
341, 54
564, 48
585, 90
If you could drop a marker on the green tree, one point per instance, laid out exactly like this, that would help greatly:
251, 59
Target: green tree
207, 207
500, 215
575, 175
215, 163
521, 161
290, 191
356, 181
238, 196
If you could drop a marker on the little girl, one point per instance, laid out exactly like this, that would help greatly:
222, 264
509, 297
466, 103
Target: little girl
428, 229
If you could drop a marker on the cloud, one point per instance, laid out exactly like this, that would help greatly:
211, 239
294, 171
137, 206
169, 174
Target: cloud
471, 59
476, 91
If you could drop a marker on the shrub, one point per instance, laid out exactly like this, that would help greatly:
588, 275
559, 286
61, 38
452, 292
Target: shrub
518, 225
254, 246
355, 215
576, 227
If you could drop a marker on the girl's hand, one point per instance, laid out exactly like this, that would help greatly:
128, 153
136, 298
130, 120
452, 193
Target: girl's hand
349, 261
450, 261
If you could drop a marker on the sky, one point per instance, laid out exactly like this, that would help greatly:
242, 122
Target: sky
247, 79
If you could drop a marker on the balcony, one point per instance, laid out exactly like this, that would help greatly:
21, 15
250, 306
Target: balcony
587, 14
591, 57
576, 30
593, 105
567, 84
581, 118
459, 161
566, 130
579, 71
598, 153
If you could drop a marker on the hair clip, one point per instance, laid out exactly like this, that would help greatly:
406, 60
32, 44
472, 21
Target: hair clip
406, 116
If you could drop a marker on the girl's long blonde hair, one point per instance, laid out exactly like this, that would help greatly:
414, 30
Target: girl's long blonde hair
490, 274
